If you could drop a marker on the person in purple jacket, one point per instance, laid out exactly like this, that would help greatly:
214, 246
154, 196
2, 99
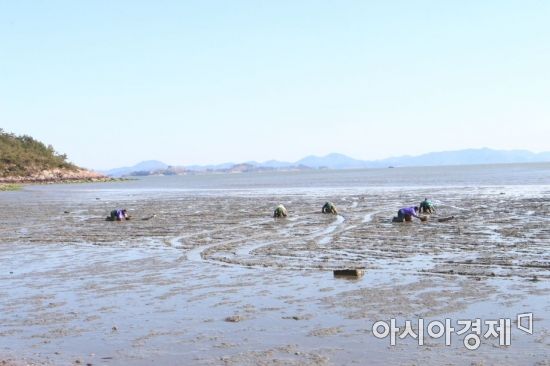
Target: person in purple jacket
407, 213
118, 215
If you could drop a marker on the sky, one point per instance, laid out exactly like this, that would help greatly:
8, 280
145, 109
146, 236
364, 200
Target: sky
111, 83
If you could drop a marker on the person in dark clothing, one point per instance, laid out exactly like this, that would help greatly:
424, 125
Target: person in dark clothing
329, 208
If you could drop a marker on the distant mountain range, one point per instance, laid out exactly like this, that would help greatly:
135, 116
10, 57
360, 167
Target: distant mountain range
144, 166
339, 161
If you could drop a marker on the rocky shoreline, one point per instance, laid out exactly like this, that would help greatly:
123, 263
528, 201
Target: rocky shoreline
58, 176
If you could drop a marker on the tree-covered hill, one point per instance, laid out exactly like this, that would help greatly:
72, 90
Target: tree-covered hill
26, 160
24, 156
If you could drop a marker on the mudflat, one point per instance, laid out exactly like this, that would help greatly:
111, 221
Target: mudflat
213, 279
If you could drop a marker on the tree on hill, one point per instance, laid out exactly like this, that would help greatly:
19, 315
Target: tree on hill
24, 156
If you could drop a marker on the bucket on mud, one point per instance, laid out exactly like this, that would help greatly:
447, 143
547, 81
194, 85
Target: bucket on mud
349, 273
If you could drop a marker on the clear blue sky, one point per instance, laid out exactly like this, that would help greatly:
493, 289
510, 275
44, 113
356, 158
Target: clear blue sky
115, 82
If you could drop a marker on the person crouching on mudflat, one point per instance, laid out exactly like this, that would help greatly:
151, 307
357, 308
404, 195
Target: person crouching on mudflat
119, 215
329, 208
427, 206
280, 211
407, 213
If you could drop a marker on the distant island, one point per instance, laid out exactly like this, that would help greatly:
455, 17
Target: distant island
339, 161
26, 160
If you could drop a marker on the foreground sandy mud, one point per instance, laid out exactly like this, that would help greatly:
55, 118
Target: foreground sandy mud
214, 280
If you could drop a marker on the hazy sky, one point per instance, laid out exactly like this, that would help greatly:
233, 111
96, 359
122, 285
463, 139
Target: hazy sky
115, 82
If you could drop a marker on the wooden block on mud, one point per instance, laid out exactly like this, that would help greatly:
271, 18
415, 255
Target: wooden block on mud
350, 273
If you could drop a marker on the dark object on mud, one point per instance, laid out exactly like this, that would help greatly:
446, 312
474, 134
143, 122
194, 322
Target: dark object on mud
349, 273
445, 219
329, 208
234, 319
67, 212
295, 317
534, 279
407, 219
280, 211
109, 218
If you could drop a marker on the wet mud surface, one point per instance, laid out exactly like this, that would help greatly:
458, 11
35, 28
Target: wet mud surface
213, 279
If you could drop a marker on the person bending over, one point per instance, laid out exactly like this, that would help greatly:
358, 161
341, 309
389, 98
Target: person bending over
280, 211
427, 206
407, 213
119, 215
329, 208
